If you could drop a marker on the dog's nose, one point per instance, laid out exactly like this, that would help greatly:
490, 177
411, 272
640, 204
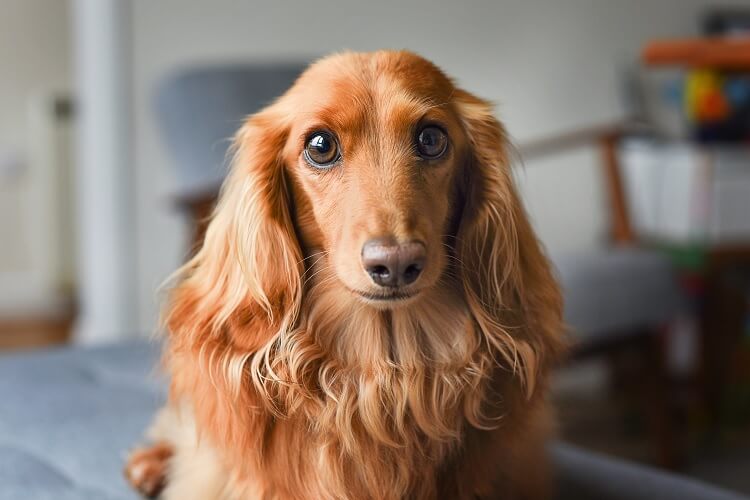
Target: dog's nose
391, 264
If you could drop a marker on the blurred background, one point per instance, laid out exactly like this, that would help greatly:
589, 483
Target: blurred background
631, 121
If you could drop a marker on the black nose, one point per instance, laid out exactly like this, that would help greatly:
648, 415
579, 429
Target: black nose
391, 264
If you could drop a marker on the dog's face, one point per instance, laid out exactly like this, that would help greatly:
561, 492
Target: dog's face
374, 157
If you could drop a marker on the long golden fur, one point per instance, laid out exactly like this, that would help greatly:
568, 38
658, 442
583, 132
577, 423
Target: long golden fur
290, 382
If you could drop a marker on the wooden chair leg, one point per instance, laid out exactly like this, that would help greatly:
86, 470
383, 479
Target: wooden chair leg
660, 402
721, 328
639, 371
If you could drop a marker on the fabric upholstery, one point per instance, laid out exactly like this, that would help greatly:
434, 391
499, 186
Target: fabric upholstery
617, 290
199, 110
69, 416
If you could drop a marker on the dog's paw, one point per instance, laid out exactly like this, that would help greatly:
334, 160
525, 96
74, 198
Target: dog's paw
146, 469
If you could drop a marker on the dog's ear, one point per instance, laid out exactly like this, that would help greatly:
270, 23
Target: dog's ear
243, 286
506, 277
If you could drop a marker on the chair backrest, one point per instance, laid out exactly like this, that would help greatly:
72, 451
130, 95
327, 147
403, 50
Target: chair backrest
606, 138
199, 110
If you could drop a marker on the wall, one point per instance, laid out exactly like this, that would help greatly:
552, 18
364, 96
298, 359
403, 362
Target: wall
35, 59
550, 66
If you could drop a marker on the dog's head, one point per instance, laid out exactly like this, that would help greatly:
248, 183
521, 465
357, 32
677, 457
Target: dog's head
375, 158
376, 174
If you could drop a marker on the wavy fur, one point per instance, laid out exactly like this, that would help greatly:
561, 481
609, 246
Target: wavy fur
305, 391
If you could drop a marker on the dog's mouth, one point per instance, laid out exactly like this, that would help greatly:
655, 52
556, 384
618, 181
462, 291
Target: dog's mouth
386, 297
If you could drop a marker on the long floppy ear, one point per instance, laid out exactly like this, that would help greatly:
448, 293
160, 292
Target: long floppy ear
507, 280
243, 286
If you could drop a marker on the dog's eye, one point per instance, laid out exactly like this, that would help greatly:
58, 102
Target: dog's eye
322, 150
432, 142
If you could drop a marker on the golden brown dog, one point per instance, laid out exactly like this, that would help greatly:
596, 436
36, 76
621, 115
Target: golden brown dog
371, 315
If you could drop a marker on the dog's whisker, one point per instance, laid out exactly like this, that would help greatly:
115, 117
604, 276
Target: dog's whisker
307, 280
315, 254
311, 267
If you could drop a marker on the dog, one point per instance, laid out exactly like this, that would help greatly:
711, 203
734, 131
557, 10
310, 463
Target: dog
371, 315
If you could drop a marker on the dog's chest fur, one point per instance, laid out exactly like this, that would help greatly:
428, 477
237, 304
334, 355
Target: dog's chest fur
386, 412
375, 404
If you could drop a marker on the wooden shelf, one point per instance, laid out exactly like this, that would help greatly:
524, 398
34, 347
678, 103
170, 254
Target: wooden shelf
730, 53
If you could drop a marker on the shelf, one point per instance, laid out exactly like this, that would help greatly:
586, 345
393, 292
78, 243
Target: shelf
730, 53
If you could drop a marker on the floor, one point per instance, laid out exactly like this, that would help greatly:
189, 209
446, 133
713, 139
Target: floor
591, 417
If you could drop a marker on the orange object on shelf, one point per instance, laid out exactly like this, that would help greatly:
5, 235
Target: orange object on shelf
713, 107
731, 53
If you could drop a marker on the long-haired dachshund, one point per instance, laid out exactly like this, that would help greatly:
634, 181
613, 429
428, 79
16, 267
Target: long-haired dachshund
370, 315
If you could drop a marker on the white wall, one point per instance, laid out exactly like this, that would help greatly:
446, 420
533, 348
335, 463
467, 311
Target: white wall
35, 61
551, 65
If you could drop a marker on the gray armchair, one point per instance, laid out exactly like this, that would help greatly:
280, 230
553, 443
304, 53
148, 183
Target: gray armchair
619, 298
200, 109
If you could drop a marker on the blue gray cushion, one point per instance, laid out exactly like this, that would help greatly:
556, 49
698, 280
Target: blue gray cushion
69, 416
588, 476
616, 291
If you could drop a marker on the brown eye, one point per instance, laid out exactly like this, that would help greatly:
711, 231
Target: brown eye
432, 143
322, 150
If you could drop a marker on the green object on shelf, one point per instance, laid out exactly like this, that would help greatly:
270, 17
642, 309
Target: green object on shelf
686, 257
